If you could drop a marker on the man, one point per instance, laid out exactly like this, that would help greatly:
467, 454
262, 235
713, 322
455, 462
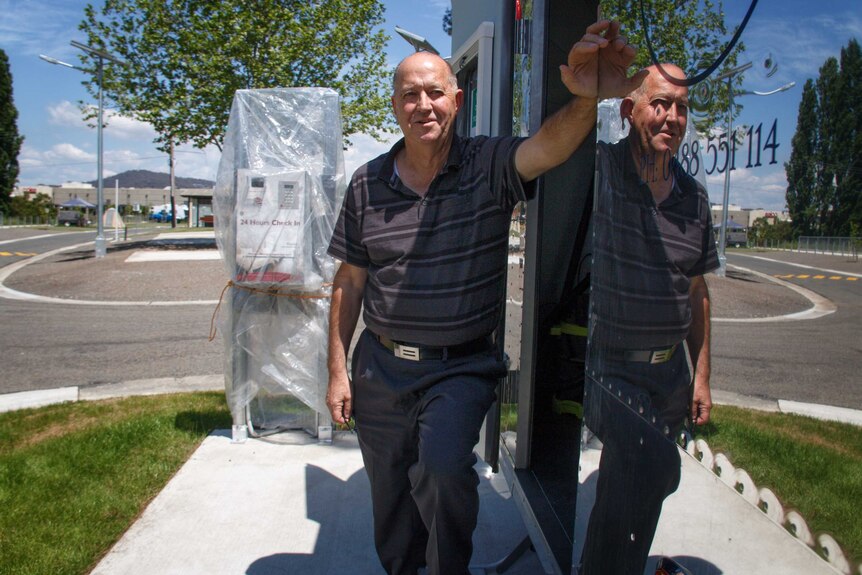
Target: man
423, 238
652, 244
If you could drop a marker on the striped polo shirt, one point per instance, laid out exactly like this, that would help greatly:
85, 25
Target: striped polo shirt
436, 265
645, 254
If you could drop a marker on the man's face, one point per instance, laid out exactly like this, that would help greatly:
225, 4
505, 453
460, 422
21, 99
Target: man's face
424, 101
659, 116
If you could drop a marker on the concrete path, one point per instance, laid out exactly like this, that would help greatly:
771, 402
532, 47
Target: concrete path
284, 506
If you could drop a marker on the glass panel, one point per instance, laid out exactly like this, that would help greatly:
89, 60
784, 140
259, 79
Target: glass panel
517, 235
749, 138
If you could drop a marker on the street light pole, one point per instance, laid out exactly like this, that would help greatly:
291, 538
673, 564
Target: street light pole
722, 234
731, 144
101, 246
101, 56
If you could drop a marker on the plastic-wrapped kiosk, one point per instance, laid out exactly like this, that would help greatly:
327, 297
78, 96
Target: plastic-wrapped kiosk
279, 185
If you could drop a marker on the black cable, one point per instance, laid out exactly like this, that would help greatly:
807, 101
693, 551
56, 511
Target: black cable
703, 75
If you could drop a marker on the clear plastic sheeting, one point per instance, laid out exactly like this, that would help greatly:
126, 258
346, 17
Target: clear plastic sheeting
279, 185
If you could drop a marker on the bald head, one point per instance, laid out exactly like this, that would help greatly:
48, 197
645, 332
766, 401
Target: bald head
655, 76
425, 60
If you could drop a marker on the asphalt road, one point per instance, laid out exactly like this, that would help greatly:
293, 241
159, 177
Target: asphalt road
813, 361
47, 346
54, 345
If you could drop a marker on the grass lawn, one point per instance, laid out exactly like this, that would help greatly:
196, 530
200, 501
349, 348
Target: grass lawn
73, 477
812, 466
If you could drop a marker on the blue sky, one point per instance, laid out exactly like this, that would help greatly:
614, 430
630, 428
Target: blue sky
59, 146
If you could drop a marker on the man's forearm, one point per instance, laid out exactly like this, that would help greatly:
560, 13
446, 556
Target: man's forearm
343, 316
699, 333
559, 137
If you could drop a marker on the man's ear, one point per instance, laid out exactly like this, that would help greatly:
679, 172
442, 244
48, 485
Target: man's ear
626, 107
459, 99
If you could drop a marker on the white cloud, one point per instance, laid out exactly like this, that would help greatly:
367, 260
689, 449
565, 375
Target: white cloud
128, 128
117, 125
70, 152
364, 149
41, 26
751, 188
66, 114
60, 163
814, 39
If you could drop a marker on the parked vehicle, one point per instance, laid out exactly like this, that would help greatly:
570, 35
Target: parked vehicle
162, 214
71, 218
736, 238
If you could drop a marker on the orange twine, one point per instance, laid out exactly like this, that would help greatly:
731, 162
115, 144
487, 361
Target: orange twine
273, 291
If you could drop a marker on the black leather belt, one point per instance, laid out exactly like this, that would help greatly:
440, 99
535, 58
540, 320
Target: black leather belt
417, 352
643, 355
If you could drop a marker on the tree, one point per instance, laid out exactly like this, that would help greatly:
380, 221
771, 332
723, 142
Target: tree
824, 174
801, 168
827, 119
10, 141
40, 207
184, 59
763, 231
848, 151
447, 21
690, 35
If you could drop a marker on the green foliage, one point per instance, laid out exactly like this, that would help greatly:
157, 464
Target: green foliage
812, 466
184, 59
801, 167
764, 230
691, 35
447, 21
40, 207
10, 141
824, 173
74, 477
848, 155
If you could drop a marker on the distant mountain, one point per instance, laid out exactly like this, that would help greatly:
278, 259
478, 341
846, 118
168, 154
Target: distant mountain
147, 179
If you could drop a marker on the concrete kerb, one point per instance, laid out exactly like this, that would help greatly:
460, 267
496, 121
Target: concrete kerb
155, 386
10, 293
813, 410
819, 308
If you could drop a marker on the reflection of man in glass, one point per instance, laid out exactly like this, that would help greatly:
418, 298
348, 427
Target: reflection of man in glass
653, 242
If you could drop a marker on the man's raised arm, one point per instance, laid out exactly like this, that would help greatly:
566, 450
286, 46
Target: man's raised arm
596, 68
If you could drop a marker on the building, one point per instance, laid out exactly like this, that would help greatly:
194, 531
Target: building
137, 198
746, 217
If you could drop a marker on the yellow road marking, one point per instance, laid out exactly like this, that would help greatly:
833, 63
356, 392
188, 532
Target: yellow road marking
5, 253
817, 277
24, 254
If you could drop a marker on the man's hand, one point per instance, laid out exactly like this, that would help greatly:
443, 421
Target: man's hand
698, 346
701, 402
597, 64
338, 399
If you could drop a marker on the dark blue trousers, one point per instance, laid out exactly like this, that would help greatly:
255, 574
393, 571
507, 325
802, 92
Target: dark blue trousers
636, 409
418, 422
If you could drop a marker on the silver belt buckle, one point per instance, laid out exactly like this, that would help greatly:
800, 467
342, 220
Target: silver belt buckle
660, 356
406, 352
